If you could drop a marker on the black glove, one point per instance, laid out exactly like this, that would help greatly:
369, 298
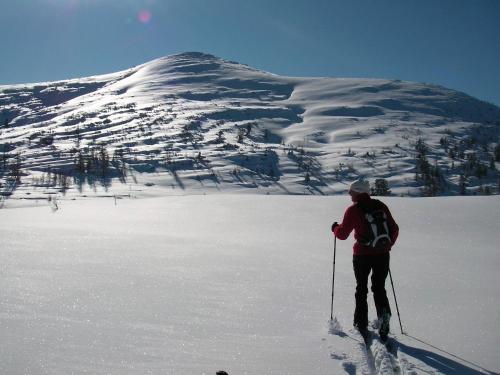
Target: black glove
334, 225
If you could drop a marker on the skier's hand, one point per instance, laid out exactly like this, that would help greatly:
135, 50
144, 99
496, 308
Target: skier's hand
334, 225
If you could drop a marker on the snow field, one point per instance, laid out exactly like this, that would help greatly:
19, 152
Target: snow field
194, 284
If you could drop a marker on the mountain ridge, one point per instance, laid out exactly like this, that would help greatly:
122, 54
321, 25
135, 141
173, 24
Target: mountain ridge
197, 123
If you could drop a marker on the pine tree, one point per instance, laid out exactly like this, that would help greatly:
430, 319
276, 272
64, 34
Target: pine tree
462, 185
249, 129
241, 135
80, 162
381, 187
220, 136
103, 161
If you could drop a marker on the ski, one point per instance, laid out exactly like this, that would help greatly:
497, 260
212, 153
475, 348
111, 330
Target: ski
374, 356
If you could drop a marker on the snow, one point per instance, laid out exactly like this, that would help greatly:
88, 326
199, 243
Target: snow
198, 283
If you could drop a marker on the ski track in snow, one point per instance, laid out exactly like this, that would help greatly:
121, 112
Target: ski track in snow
386, 362
377, 358
374, 358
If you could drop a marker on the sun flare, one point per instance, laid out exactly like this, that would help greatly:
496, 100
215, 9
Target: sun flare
144, 16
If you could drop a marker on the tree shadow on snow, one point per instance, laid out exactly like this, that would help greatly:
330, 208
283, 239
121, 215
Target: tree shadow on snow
441, 363
178, 179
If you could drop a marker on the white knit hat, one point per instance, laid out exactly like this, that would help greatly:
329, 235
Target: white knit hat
360, 186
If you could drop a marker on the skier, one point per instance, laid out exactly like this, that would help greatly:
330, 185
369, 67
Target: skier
367, 257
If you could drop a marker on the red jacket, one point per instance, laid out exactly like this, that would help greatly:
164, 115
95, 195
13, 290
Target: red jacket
354, 220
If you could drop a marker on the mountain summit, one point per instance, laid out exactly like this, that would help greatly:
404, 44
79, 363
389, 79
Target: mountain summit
193, 122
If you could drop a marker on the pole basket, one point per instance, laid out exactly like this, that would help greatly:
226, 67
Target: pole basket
334, 327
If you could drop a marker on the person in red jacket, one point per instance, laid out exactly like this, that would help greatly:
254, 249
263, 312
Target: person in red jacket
366, 258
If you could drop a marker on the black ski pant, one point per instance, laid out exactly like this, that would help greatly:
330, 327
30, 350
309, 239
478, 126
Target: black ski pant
378, 265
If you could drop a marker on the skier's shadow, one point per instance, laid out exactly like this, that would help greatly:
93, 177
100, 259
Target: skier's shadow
440, 363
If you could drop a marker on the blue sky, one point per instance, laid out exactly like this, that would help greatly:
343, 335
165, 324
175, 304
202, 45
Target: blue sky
454, 43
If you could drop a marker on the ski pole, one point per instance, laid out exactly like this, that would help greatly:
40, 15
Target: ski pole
395, 300
333, 274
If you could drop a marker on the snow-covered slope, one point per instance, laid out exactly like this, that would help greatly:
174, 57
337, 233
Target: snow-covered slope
195, 284
196, 123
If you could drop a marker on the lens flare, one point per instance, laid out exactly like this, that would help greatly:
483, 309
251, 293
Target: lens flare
144, 16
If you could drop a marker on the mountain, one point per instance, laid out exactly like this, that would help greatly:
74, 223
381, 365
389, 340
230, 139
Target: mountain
195, 123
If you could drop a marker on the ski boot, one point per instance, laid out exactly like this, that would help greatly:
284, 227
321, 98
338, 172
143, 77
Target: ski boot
383, 330
363, 330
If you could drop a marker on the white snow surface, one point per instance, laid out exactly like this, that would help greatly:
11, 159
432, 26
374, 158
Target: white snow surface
195, 284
